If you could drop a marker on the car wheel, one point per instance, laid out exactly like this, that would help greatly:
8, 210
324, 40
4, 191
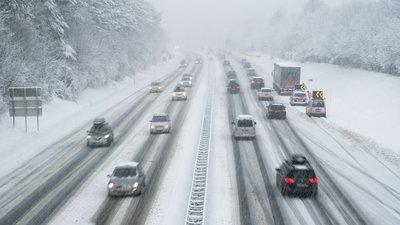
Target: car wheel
108, 143
283, 191
88, 144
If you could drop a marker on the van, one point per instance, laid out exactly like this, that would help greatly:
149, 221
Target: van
316, 107
244, 126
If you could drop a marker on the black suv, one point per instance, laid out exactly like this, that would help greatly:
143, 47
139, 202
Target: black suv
100, 134
256, 83
276, 110
296, 176
233, 87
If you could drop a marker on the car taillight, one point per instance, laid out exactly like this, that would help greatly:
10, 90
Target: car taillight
313, 180
289, 180
283, 110
270, 110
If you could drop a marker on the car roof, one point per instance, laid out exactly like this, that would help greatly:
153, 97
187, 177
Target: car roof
280, 104
160, 114
299, 91
264, 88
240, 117
99, 121
127, 164
257, 78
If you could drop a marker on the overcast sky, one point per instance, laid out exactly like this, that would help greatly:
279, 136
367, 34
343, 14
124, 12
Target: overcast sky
207, 22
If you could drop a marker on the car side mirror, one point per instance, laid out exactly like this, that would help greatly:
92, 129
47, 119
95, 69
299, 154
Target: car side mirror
109, 175
278, 170
255, 122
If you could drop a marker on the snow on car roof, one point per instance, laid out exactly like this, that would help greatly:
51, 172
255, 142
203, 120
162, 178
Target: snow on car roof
160, 114
287, 64
127, 164
245, 117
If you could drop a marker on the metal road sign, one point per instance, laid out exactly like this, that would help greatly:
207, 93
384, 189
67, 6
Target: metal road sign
24, 102
301, 87
318, 95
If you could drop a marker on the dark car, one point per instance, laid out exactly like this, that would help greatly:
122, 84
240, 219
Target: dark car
276, 111
100, 133
256, 83
231, 74
246, 65
233, 87
251, 72
227, 63
243, 61
296, 176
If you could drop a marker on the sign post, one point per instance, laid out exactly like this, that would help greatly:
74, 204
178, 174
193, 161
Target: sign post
24, 102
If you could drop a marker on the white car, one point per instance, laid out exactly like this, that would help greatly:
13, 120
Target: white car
160, 123
265, 94
155, 87
316, 107
244, 126
186, 82
179, 93
299, 98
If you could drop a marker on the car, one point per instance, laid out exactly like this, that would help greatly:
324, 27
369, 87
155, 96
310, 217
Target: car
100, 133
183, 64
265, 94
233, 86
243, 61
155, 87
198, 61
160, 123
127, 179
179, 93
316, 107
186, 82
299, 98
227, 63
297, 176
251, 72
276, 111
244, 126
256, 83
231, 74
246, 65
187, 75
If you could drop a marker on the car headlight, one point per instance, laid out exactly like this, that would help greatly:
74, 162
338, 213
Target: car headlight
190, 82
166, 126
184, 93
159, 87
107, 136
136, 185
181, 82
173, 94
152, 126
88, 137
110, 185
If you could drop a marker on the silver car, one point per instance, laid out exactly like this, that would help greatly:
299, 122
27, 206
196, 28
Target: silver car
179, 93
186, 82
155, 87
160, 123
265, 94
244, 126
127, 179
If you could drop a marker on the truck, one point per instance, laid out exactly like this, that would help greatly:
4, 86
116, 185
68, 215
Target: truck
285, 77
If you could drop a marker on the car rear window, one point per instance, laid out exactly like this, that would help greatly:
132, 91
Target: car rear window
159, 118
300, 95
277, 107
245, 123
266, 90
124, 172
318, 104
301, 174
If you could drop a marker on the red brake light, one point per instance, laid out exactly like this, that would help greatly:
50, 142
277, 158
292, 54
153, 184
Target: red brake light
313, 180
289, 180
283, 110
270, 110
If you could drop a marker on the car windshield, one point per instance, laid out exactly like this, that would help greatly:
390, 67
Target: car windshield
155, 83
318, 104
245, 123
98, 128
179, 89
125, 172
186, 78
302, 95
159, 118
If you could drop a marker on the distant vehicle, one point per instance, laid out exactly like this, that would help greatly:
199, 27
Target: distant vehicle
285, 77
316, 107
231, 74
256, 83
233, 87
179, 93
198, 61
299, 98
251, 72
227, 63
100, 133
265, 94
296, 176
276, 111
243, 60
183, 64
155, 87
246, 65
127, 179
160, 123
186, 82
186, 75
244, 126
